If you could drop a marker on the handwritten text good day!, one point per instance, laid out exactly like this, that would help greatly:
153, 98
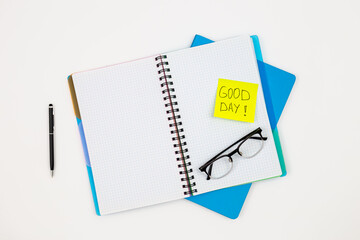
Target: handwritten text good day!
236, 100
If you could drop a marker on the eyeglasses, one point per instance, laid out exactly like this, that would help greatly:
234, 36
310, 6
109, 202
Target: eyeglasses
221, 165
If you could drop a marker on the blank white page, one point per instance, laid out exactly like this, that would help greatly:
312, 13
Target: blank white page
195, 73
128, 135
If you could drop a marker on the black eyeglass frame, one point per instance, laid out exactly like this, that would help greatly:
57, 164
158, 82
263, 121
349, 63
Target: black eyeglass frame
218, 156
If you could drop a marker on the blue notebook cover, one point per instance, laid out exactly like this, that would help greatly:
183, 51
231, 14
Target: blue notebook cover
277, 85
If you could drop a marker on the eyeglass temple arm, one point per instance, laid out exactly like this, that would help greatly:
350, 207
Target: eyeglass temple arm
259, 138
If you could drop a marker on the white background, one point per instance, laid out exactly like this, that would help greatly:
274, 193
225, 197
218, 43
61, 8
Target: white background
42, 42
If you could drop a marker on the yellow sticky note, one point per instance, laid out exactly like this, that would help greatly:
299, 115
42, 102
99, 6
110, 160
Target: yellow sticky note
236, 100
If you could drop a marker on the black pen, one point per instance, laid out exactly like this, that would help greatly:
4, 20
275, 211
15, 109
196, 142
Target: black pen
51, 138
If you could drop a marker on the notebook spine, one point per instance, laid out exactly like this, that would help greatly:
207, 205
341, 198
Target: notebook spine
172, 109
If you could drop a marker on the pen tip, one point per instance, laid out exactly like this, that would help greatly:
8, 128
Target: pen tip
52, 173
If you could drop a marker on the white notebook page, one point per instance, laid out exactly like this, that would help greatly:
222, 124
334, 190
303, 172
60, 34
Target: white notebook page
195, 73
128, 136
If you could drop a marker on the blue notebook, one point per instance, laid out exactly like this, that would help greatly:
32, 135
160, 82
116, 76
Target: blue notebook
277, 85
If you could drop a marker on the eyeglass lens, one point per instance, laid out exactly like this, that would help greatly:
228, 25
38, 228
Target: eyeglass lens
221, 167
251, 146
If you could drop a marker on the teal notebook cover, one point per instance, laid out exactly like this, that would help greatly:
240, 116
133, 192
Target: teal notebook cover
277, 85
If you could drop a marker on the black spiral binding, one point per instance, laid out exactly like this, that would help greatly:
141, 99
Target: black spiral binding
179, 138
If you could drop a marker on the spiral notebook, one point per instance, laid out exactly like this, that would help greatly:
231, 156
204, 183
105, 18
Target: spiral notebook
147, 126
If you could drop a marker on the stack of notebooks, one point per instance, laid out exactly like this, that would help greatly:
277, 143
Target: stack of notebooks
148, 127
